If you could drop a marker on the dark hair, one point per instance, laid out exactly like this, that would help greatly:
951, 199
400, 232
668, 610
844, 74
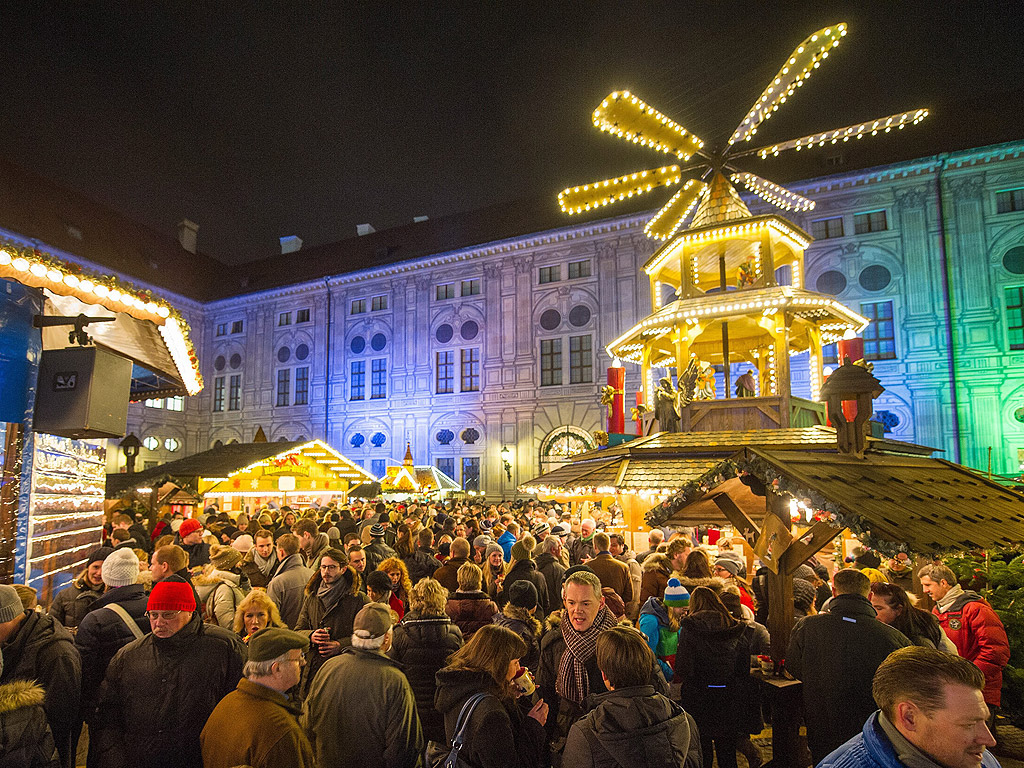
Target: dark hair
378, 581
336, 555
918, 675
426, 537
624, 657
491, 649
288, 543
403, 541
913, 622
305, 525
697, 565
850, 581
705, 599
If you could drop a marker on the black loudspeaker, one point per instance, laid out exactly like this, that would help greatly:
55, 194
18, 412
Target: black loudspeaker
82, 392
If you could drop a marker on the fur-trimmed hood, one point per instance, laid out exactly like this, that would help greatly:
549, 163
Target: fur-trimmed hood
522, 615
715, 584
20, 694
657, 562
214, 577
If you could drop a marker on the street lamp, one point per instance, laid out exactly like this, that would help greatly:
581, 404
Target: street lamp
506, 461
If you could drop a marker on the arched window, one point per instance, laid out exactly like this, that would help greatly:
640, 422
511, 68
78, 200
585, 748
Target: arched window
562, 444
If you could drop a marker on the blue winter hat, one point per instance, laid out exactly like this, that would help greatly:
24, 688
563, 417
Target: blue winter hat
676, 595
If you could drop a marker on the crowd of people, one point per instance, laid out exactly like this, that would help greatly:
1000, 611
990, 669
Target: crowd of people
373, 634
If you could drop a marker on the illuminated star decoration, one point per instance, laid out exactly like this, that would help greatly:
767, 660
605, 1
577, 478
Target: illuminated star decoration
624, 115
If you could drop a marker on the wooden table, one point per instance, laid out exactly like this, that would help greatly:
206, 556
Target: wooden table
785, 699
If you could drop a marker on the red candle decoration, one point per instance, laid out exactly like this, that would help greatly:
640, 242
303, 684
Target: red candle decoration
617, 414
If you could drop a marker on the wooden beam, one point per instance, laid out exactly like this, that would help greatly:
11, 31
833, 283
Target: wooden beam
740, 520
780, 589
812, 542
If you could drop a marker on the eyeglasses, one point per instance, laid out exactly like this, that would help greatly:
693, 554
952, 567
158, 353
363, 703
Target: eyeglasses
163, 615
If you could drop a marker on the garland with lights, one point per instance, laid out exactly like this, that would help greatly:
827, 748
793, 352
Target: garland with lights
31, 266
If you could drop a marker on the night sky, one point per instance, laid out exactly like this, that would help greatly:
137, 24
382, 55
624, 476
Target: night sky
258, 120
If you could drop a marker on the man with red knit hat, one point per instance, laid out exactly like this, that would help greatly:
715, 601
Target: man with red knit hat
190, 539
159, 690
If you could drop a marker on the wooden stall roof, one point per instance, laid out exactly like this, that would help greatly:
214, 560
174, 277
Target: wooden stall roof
929, 504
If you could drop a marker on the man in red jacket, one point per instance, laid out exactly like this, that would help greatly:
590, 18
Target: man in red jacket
971, 624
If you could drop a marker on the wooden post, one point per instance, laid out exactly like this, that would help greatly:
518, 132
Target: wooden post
780, 588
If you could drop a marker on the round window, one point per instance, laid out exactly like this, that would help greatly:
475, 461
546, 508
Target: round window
151, 443
357, 440
444, 333
550, 319
378, 341
579, 315
1019, 415
219, 363
1013, 261
831, 282
874, 278
302, 351
284, 355
236, 361
171, 444
469, 330
358, 344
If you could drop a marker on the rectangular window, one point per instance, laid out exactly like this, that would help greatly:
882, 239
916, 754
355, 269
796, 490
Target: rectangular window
445, 292
222, 329
823, 229
445, 372
154, 403
236, 326
285, 318
235, 393
470, 359
302, 386
471, 473
218, 393
470, 287
549, 275
447, 465
358, 307
358, 381
176, 403
378, 468
872, 221
829, 354
302, 315
1015, 316
1009, 201
284, 382
579, 269
378, 379
880, 335
377, 303
550, 362
581, 360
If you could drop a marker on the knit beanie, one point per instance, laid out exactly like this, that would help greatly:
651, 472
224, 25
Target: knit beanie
10, 603
520, 551
482, 540
523, 594
189, 526
226, 558
676, 595
121, 568
804, 572
804, 594
539, 528
99, 555
377, 530
243, 543
491, 548
728, 564
171, 596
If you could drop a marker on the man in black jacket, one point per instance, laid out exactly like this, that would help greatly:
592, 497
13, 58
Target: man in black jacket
422, 563
159, 690
836, 654
190, 539
36, 647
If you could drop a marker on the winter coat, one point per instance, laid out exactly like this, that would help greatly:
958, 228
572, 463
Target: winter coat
44, 651
636, 573
655, 625
159, 692
871, 748
103, 633
220, 594
470, 611
198, 554
288, 586
70, 605
25, 737
712, 666
579, 549
141, 536
525, 570
252, 571
654, 579
633, 726
321, 542
376, 553
498, 733
613, 574
506, 541
361, 713
339, 619
346, 526
553, 571
836, 654
520, 621
979, 637
422, 645
447, 574
421, 564
256, 726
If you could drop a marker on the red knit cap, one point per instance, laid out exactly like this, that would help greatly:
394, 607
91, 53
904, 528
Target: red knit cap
189, 526
171, 596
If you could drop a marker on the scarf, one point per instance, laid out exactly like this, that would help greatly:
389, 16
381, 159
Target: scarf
949, 598
265, 564
573, 683
329, 594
